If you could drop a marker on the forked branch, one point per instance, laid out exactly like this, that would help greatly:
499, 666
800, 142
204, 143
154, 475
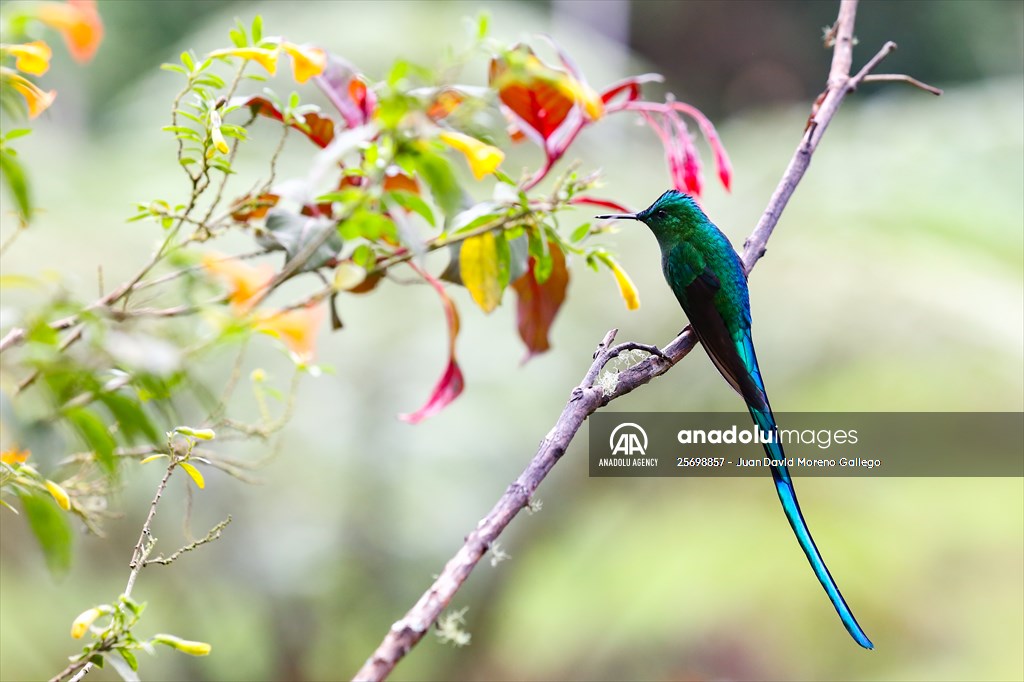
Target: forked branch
587, 397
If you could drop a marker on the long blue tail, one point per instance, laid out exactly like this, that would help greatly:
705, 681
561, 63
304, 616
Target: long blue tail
784, 485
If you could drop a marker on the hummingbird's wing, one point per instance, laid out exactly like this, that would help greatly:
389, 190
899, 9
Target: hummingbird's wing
731, 350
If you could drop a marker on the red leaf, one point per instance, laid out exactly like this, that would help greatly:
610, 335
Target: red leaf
450, 385
319, 129
539, 303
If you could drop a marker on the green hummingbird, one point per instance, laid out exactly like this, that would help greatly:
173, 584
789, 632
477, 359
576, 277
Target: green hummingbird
708, 279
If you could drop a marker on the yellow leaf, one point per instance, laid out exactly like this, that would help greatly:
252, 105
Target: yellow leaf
626, 287
59, 494
151, 458
478, 266
482, 157
194, 473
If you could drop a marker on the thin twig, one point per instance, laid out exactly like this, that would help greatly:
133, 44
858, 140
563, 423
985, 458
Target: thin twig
586, 398
214, 534
900, 78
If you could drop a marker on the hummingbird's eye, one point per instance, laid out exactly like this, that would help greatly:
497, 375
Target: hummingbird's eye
660, 213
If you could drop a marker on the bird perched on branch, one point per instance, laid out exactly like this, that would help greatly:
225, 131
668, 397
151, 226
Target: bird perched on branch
710, 284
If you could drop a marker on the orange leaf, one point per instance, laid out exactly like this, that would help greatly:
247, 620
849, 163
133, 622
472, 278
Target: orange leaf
445, 102
539, 95
539, 303
451, 383
254, 208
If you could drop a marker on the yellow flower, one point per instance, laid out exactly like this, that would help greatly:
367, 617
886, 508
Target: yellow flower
184, 645
14, 456
32, 58
244, 281
296, 329
59, 494
626, 287
306, 61
263, 56
79, 23
84, 620
37, 100
482, 157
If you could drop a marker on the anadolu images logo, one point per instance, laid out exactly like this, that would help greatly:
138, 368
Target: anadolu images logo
628, 439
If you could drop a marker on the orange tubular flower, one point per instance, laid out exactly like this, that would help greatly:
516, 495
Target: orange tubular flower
295, 328
244, 281
36, 99
14, 456
79, 23
306, 61
31, 58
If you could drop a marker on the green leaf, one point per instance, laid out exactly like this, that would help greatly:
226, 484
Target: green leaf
413, 202
16, 133
257, 28
131, 418
188, 61
17, 184
94, 432
368, 225
538, 247
124, 664
480, 270
52, 529
476, 216
444, 186
504, 253
580, 232
364, 257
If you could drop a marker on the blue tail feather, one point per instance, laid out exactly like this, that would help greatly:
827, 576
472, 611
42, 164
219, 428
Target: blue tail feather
787, 495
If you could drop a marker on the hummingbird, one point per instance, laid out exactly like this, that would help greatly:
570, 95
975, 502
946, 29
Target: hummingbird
708, 279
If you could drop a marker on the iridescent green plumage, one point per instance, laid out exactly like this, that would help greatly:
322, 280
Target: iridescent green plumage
710, 284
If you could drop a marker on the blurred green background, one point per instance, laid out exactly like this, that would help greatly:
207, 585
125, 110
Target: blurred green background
894, 282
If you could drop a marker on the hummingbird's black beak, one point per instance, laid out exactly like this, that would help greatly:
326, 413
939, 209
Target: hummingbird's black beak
617, 216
